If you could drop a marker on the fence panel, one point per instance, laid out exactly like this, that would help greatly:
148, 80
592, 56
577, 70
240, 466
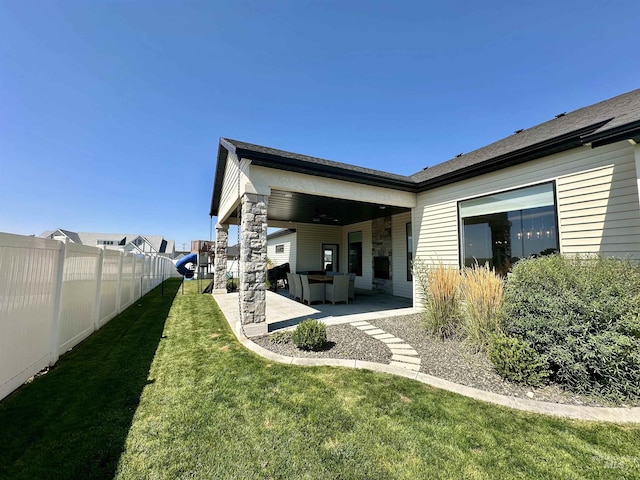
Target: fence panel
137, 282
55, 294
28, 270
77, 304
110, 280
126, 292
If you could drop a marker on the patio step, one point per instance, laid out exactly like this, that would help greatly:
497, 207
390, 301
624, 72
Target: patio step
403, 355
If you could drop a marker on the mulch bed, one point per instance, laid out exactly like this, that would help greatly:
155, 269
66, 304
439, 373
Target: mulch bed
450, 359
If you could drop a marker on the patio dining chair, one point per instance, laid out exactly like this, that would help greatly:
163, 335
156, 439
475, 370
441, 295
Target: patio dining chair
297, 287
292, 286
338, 291
311, 292
352, 286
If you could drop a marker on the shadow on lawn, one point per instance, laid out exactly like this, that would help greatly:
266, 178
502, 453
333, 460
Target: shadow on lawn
73, 422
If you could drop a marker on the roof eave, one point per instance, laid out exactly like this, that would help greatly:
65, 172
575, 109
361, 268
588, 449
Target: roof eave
224, 148
328, 171
629, 131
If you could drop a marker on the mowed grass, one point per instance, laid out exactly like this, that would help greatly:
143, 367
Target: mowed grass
188, 401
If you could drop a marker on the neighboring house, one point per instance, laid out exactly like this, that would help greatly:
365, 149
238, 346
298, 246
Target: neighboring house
281, 248
117, 241
568, 185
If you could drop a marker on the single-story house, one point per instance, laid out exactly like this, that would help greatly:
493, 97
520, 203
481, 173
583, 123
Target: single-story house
568, 185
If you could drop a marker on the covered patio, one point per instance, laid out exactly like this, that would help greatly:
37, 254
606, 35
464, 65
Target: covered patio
346, 219
283, 312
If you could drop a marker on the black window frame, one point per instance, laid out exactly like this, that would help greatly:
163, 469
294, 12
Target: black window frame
460, 220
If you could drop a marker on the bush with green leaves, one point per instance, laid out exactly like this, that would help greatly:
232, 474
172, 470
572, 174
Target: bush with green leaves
516, 360
310, 335
281, 337
583, 314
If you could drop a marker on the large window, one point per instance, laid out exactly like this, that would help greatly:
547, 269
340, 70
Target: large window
355, 253
505, 227
409, 234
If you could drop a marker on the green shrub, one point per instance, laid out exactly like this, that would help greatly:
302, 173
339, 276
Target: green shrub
281, 337
440, 286
310, 335
482, 293
583, 314
516, 360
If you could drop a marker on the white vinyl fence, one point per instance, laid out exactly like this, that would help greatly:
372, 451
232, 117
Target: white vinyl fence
53, 295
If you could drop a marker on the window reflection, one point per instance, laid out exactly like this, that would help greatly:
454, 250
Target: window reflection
503, 238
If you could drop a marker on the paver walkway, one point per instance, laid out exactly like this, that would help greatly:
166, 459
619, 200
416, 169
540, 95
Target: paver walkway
403, 355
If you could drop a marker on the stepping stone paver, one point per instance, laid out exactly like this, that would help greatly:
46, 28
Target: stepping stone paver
392, 340
408, 366
403, 351
406, 359
400, 351
377, 331
383, 335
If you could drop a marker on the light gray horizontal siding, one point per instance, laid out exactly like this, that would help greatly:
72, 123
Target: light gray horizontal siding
309, 245
597, 194
229, 194
289, 254
438, 233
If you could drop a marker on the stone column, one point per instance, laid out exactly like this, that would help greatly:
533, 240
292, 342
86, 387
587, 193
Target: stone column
220, 259
253, 264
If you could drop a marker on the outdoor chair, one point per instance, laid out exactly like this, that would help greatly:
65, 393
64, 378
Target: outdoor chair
338, 291
292, 286
297, 287
352, 286
311, 292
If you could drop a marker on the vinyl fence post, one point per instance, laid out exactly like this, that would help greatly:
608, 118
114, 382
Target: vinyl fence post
55, 326
98, 297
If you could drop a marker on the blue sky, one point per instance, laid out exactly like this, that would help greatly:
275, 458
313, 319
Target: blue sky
110, 111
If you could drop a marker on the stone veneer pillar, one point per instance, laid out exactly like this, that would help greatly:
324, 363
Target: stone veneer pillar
220, 259
253, 264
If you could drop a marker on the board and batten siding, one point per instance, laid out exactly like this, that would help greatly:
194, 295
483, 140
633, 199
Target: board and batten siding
289, 254
309, 245
401, 286
598, 206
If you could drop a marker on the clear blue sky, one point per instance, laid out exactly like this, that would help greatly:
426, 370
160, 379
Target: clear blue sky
110, 111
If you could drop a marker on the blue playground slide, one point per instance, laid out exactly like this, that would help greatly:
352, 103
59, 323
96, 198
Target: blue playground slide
181, 265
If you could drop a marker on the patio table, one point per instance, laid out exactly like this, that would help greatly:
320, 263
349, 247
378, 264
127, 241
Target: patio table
320, 279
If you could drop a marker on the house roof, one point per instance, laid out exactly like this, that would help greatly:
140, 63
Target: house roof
605, 122
281, 233
600, 123
157, 242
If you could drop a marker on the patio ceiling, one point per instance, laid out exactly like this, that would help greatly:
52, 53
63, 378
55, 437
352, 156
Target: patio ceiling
302, 208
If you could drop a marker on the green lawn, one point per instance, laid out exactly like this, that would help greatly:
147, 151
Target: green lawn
165, 391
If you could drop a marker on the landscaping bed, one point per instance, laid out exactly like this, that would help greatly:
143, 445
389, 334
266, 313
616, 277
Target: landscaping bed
448, 359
